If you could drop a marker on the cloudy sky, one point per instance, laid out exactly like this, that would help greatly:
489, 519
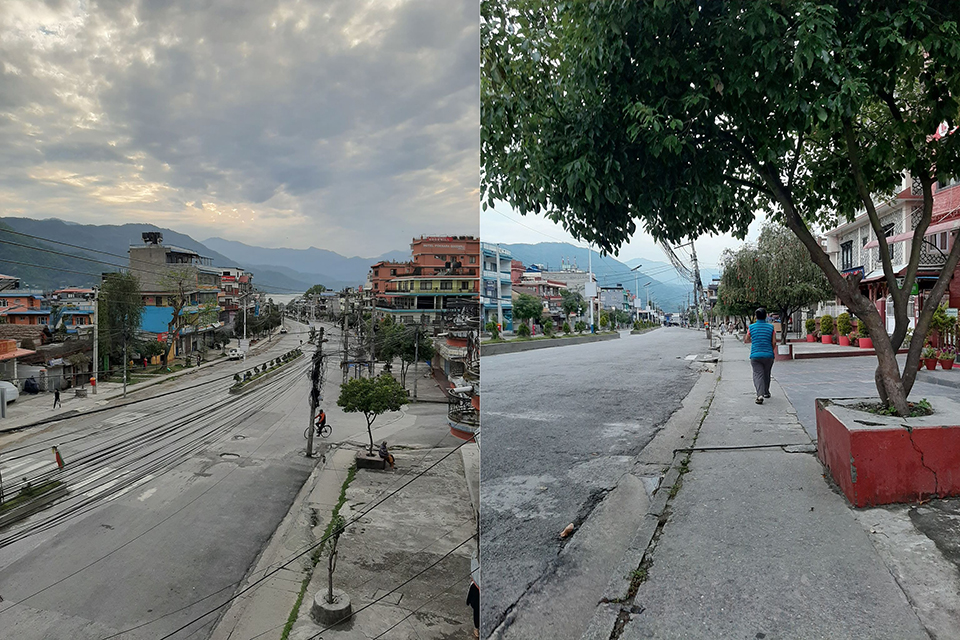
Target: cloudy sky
349, 125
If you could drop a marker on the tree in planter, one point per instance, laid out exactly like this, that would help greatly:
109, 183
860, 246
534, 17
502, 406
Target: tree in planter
826, 325
491, 327
718, 111
548, 327
811, 326
843, 324
566, 327
337, 525
372, 397
604, 320
527, 308
523, 331
580, 326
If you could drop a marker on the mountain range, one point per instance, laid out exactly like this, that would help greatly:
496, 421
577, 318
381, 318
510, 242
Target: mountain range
64, 254
667, 288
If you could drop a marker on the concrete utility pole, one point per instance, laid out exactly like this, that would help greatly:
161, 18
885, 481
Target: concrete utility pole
499, 294
346, 337
96, 335
124, 363
698, 286
416, 359
316, 386
590, 281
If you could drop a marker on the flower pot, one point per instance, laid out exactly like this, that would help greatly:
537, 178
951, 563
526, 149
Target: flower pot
931, 363
865, 343
811, 337
826, 339
946, 364
844, 341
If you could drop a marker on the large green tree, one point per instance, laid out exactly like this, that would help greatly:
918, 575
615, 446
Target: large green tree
689, 117
120, 312
776, 273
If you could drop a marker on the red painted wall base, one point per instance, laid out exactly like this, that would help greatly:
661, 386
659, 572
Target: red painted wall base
883, 462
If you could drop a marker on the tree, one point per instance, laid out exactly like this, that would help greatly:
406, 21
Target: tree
527, 307
776, 273
179, 284
572, 302
372, 397
121, 309
315, 290
709, 113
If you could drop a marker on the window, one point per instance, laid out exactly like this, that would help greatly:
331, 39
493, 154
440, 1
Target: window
159, 301
393, 272
446, 285
887, 230
846, 255
942, 243
464, 285
426, 285
473, 259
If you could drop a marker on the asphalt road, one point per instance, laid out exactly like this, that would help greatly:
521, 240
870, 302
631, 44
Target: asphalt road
560, 427
171, 500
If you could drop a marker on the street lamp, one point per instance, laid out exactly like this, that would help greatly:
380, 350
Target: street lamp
636, 289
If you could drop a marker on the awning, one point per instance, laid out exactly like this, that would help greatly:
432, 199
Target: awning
899, 270
933, 229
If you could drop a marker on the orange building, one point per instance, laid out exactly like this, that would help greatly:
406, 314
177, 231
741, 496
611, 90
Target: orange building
442, 268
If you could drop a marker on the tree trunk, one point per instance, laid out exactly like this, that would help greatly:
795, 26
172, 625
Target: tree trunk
370, 434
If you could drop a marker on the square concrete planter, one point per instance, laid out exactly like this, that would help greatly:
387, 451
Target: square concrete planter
879, 460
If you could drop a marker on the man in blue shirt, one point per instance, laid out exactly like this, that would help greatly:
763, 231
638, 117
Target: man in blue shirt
763, 341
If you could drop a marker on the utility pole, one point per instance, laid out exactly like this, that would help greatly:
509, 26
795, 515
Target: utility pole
96, 335
590, 281
499, 294
346, 336
697, 285
124, 362
416, 358
316, 386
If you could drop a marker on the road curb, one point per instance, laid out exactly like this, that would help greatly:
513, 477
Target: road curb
254, 383
516, 347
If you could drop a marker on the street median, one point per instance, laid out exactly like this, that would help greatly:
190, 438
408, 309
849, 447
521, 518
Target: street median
514, 346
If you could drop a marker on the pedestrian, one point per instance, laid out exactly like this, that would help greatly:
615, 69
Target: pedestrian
56, 398
473, 595
144, 363
763, 341
58, 457
385, 454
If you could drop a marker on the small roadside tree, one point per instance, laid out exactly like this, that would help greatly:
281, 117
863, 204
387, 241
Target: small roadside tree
527, 308
121, 309
372, 397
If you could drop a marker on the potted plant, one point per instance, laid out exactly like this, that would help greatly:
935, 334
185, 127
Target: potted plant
946, 356
929, 356
843, 328
826, 329
863, 336
811, 325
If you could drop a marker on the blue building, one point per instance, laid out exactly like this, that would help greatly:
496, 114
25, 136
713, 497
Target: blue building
496, 288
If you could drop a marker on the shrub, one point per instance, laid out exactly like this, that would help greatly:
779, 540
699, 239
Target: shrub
843, 324
523, 331
236, 378
826, 325
947, 353
928, 353
548, 327
492, 328
566, 327
637, 325
862, 331
580, 327
811, 325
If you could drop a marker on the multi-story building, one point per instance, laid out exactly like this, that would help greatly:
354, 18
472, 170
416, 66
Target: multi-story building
854, 248
24, 307
235, 287
496, 290
424, 290
615, 298
170, 274
534, 283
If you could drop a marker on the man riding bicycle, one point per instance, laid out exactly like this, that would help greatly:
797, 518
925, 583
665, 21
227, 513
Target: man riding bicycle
321, 420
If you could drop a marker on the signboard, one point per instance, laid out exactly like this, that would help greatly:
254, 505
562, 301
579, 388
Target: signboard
590, 290
952, 313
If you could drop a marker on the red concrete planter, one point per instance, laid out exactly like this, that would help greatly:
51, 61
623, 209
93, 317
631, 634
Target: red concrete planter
946, 364
826, 339
879, 460
811, 337
844, 341
865, 343
931, 363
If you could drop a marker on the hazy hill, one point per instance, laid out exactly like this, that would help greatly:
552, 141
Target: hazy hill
667, 289
275, 270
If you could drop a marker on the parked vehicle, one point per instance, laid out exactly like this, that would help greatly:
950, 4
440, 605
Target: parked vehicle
236, 354
10, 391
283, 329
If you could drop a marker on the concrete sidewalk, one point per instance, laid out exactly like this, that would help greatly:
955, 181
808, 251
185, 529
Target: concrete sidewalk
753, 543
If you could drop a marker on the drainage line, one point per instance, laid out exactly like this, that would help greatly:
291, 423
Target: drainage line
741, 447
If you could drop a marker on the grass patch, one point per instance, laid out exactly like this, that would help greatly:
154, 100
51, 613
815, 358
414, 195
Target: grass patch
28, 493
917, 409
318, 552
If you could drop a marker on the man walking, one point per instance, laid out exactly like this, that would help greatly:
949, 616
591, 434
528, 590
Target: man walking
763, 341
56, 398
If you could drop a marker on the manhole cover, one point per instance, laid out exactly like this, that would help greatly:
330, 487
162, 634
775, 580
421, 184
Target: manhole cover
229, 456
239, 437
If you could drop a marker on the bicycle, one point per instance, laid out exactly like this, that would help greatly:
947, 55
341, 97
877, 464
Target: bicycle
322, 431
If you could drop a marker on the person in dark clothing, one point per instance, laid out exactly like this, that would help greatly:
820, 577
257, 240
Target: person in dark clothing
473, 595
385, 454
56, 398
